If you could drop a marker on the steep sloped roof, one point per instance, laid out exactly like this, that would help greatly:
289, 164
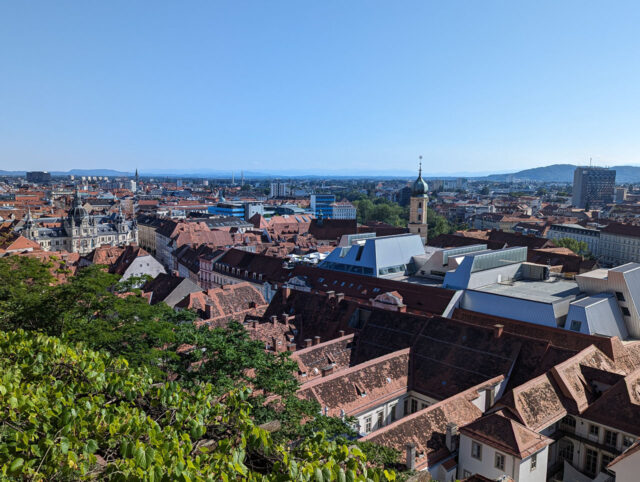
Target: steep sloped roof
506, 435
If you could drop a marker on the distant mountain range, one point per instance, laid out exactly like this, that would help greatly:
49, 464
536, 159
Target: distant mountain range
552, 173
564, 173
74, 172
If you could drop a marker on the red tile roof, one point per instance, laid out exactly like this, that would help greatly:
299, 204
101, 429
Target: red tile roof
506, 435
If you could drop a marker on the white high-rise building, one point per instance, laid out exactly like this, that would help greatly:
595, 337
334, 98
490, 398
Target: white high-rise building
279, 189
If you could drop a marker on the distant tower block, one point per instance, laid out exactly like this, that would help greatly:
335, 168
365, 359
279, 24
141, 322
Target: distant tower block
418, 207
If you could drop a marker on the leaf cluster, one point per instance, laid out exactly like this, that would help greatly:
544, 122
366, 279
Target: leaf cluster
70, 413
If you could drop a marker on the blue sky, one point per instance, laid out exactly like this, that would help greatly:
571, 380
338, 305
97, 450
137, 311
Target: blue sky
318, 85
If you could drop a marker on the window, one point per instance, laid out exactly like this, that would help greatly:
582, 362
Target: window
476, 450
591, 462
594, 430
566, 451
534, 462
620, 296
626, 441
568, 421
406, 407
499, 463
392, 413
625, 311
467, 474
610, 438
575, 325
380, 419
367, 425
414, 406
606, 460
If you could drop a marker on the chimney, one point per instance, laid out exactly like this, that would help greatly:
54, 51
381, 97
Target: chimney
328, 370
488, 398
340, 297
316, 340
291, 347
330, 294
497, 330
402, 308
411, 457
340, 333
254, 323
451, 438
285, 293
308, 342
274, 319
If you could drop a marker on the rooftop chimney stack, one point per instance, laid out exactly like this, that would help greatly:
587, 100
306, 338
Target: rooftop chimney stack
411, 456
451, 438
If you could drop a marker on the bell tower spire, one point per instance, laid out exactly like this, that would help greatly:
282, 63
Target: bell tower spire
418, 206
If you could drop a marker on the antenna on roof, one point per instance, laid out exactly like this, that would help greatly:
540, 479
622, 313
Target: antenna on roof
591, 162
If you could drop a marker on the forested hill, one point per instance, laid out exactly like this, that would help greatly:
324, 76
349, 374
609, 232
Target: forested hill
564, 173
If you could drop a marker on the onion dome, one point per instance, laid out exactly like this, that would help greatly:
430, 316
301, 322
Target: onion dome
420, 187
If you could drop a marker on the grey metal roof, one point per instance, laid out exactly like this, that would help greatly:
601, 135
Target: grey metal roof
541, 291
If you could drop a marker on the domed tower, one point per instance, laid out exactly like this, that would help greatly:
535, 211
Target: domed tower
77, 217
121, 225
418, 207
30, 227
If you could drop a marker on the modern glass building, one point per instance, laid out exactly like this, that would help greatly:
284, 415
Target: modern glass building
593, 186
321, 205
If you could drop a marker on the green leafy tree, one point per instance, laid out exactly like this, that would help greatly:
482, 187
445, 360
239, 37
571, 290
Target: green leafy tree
69, 413
437, 224
92, 308
579, 247
381, 210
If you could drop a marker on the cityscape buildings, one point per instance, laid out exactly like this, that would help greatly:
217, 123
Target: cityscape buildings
458, 347
593, 186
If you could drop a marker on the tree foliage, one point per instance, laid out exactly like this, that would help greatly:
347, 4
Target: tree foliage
382, 210
579, 247
95, 309
70, 413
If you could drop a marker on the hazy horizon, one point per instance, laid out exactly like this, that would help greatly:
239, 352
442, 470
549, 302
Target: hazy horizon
488, 87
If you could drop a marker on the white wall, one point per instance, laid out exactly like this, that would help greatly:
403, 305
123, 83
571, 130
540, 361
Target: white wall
519, 470
506, 307
627, 469
485, 466
144, 265
540, 473
386, 409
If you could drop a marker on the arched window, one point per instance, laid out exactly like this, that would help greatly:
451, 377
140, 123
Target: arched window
420, 205
565, 450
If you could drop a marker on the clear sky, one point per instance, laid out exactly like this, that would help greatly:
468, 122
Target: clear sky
326, 85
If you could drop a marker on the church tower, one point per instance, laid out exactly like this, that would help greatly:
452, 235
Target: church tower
418, 207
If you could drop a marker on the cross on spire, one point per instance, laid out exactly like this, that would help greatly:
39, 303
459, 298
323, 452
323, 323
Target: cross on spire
420, 168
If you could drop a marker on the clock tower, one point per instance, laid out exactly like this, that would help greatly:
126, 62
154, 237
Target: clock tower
418, 207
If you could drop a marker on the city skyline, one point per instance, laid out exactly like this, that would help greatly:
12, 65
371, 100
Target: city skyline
320, 87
